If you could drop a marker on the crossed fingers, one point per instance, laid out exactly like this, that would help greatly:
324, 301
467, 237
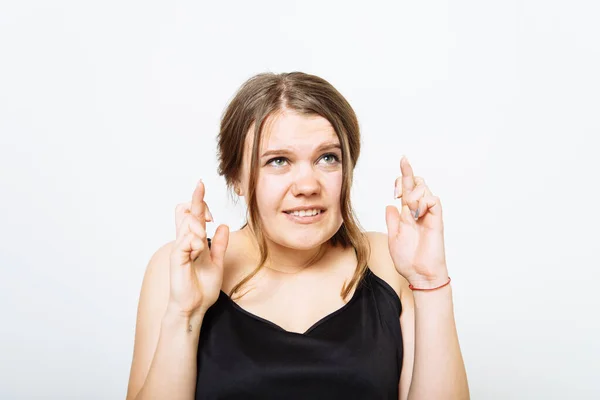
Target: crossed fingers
413, 190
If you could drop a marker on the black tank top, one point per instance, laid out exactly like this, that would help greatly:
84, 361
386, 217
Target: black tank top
353, 353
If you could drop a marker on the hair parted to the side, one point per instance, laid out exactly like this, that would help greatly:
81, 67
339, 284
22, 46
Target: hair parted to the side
264, 95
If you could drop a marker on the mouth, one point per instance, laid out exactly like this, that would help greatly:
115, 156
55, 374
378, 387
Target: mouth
305, 216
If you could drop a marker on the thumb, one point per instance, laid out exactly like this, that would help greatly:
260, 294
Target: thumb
219, 244
392, 220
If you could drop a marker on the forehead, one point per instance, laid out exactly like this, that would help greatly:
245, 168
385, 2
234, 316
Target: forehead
290, 129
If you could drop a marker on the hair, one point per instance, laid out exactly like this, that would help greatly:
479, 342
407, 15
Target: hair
265, 95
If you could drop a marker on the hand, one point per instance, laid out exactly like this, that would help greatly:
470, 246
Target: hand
196, 271
417, 244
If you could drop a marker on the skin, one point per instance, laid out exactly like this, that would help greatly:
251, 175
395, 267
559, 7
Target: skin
287, 292
306, 173
300, 174
411, 253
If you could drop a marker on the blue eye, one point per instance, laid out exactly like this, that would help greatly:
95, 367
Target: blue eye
277, 164
330, 159
334, 158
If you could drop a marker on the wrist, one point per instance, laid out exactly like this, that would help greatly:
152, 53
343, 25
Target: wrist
429, 283
174, 316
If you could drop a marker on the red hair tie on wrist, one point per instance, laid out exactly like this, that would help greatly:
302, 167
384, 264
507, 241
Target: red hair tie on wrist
426, 290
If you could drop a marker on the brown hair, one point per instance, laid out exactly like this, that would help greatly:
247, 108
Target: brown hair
264, 95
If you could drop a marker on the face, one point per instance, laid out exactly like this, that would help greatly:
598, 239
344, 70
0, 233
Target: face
299, 180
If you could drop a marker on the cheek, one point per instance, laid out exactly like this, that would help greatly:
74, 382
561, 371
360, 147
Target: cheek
269, 194
334, 185
335, 194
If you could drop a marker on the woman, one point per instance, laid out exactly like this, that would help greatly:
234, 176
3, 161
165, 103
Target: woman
299, 303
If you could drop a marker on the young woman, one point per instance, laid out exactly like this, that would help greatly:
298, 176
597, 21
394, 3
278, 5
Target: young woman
299, 303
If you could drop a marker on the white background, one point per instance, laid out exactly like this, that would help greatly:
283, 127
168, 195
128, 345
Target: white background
108, 117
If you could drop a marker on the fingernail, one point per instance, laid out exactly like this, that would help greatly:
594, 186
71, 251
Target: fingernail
396, 192
416, 214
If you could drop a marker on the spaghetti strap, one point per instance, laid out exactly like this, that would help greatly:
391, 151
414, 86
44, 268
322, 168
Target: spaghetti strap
242, 355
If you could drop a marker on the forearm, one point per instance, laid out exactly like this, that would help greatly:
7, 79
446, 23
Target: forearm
438, 371
173, 371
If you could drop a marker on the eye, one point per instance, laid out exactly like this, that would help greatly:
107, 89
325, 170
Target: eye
277, 161
330, 158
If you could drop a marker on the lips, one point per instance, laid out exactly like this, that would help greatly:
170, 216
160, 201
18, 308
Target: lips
306, 219
305, 208
305, 213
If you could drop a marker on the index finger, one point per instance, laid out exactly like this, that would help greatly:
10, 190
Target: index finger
197, 208
408, 177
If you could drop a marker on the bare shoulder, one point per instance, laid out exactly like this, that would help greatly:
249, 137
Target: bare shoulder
152, 305
381, 264
155, 285
153, 299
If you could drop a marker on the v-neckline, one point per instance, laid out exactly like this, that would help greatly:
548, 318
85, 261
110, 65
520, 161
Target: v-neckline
321, 321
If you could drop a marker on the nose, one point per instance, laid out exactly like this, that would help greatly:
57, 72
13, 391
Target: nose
306, 183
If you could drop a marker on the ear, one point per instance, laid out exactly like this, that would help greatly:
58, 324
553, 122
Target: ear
237, 190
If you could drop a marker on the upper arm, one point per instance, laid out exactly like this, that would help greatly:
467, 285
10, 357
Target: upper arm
154, 296
381, 263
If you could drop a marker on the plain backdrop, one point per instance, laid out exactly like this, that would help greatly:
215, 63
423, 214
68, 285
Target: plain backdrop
108, 117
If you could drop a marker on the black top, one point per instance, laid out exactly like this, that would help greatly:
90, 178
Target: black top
353, 353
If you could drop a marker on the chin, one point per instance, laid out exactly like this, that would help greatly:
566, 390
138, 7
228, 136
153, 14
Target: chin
303, 236
308, 240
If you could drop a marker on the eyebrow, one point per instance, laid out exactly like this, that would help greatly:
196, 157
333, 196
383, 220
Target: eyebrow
287, 150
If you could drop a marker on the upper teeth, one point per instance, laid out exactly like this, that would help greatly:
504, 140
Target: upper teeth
305, 213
